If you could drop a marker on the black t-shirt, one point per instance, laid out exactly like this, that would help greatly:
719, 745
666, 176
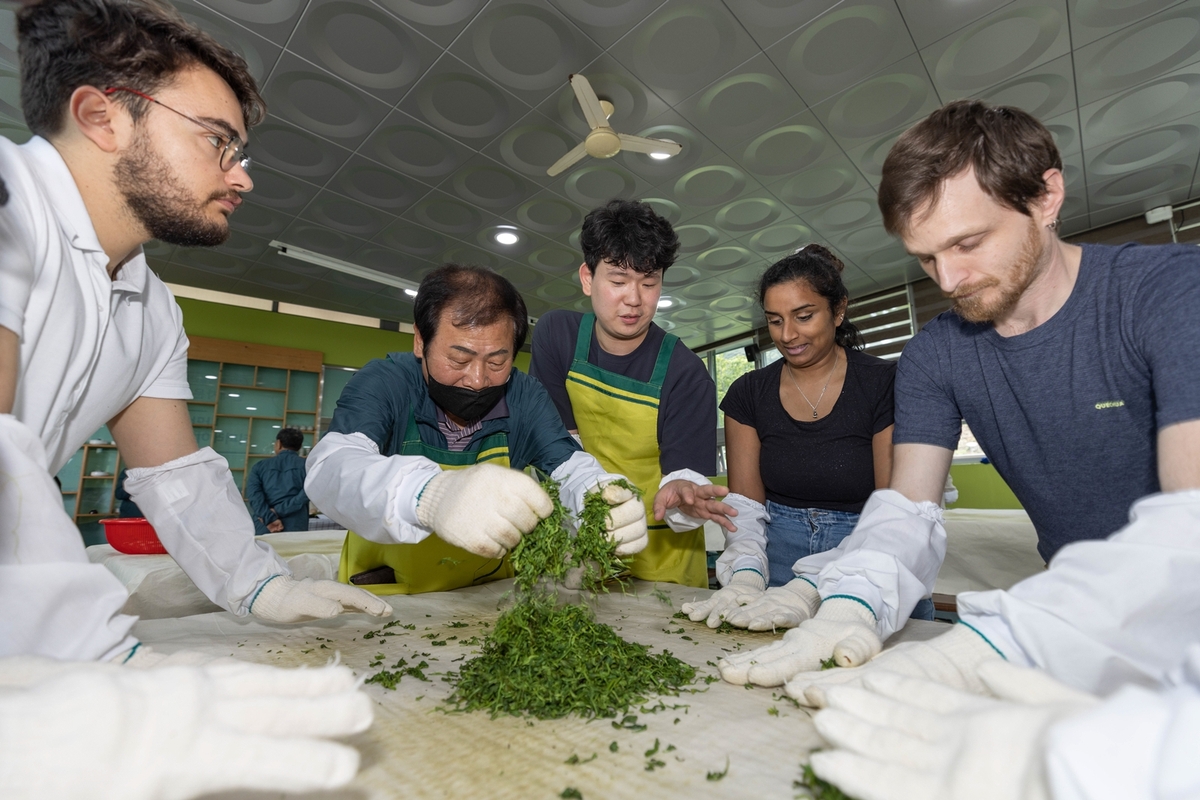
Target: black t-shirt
826, 463
687, 408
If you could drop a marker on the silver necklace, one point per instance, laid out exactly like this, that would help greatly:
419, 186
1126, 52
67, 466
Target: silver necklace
823, 388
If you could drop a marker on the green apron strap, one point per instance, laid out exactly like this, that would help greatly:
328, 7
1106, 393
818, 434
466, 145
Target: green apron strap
583, 341
663, 362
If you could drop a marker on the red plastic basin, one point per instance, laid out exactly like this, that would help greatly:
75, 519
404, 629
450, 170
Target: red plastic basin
132, 535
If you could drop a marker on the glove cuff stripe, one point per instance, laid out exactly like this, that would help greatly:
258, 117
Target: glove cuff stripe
133, 650
250, 608
810, 583
749, 569
986, 639
862, 603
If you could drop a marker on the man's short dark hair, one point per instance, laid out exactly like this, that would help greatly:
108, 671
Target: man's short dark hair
474, 296
1008, 149
290, 439
628, 233
139, 44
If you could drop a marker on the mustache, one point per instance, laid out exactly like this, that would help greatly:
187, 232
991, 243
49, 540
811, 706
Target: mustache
236, 197
964, 291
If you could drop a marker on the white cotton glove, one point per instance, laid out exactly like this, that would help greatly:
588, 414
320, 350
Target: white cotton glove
746, 545
285, 599
744, 587
101, 732
952, 659
198, 513
902, 738
779, 607
843, 628
484, 509
626, 523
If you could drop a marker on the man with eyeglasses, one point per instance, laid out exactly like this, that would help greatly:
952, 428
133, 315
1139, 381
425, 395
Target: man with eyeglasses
140, 126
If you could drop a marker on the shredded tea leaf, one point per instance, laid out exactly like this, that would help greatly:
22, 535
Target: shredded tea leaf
819, 789
548, 661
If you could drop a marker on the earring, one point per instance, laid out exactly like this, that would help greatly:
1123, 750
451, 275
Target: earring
1053, 225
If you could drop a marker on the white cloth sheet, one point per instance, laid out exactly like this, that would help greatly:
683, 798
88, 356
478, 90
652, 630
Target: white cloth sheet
987, 549
415, 751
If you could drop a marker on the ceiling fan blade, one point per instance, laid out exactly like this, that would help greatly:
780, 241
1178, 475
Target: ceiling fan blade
575, 154
592, 112
640, 144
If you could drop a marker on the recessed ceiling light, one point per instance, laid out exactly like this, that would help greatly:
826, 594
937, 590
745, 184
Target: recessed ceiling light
252, 408
231, 394
411, 292
507, 237
665, 302
660, 156
210, 377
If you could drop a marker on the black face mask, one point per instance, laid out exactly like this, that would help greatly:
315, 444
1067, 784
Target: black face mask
466, 404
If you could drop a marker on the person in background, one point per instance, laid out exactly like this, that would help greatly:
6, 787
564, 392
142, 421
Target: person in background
126, 508
637, 398
809, 436
435, 441
140, 122
275, 487
1075, 367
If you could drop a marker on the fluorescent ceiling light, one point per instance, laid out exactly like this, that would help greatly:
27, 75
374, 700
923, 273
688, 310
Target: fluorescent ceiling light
345, 267
507, 237
665, 302
662, 156
210, 377
411, 292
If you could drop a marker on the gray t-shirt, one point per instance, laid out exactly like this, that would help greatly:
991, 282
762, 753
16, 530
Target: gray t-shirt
1068, 412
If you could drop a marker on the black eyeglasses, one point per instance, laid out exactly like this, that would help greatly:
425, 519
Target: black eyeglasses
233, 149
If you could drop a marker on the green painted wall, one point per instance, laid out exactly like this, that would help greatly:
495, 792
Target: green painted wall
980, 486
343, 345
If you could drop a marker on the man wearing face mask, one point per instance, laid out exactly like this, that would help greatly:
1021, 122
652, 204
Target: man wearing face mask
434, 441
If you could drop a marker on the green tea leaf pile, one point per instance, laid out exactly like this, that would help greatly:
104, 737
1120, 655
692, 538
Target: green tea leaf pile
549, 661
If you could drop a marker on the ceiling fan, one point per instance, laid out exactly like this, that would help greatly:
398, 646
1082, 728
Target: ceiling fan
602, 141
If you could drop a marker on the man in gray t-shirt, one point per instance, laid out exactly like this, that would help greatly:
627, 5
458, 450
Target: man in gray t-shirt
1077, 368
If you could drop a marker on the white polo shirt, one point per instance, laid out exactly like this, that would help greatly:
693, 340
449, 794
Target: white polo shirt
90, 345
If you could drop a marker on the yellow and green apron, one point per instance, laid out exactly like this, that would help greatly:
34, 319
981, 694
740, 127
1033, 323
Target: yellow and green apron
431, 565
617, 419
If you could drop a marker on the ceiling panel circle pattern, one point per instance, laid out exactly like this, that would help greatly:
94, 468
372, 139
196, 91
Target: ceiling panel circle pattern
555, 259
682, 43
1146, 51
749, 214
687, 158
439, 14
259, 220
415, 150
294, 151
1145, 183
785, 150
489, 186
595, 185
1037, 94
377, 187
463, 105
744, 101
1106, 13
281, 191
264, 12
787, 236
321, 239
704, 290
558, 292
524, 46
844, 215
1065, 137
322, 104
999, 46
466, 254
447, 215
731, 303
1157, 101
667, 209
524, 278
818, 186
690, 315
1145, 149
891, 256
835, 45
680, 275
696, 238
531, 149
865, 240
746, 277
549, 215
414, 240
352, 218
708, 186
630, 104
211, 261
722, 258
877, 106
360, 43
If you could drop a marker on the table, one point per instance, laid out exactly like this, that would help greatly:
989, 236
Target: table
414, 750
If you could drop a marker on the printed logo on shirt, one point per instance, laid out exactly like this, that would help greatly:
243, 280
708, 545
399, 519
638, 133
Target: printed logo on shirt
1110, 404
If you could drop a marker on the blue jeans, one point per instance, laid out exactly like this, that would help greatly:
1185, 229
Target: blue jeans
794, 533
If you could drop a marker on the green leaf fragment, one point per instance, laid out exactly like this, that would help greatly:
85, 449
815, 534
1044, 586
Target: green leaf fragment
716, 776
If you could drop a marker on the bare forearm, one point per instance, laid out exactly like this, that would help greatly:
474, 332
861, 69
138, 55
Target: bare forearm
1179, 456
10, 356
919, 471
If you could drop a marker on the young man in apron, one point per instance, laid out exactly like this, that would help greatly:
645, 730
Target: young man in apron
639, 400
423, 443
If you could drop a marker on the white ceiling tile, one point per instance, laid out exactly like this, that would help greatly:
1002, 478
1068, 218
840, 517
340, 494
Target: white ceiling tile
344, 215
440, 21
837, 50
897, 97
826, 182
272, 19
321, 103
752, 99
606, 21
290, 149
531, 145
463, 103
768, 21
1146, 106
1016, 38
260, 53
415, 148
1044, 91
930, 20
1095, 19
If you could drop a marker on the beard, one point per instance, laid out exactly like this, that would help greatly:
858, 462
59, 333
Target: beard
158, 201
1008, 291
